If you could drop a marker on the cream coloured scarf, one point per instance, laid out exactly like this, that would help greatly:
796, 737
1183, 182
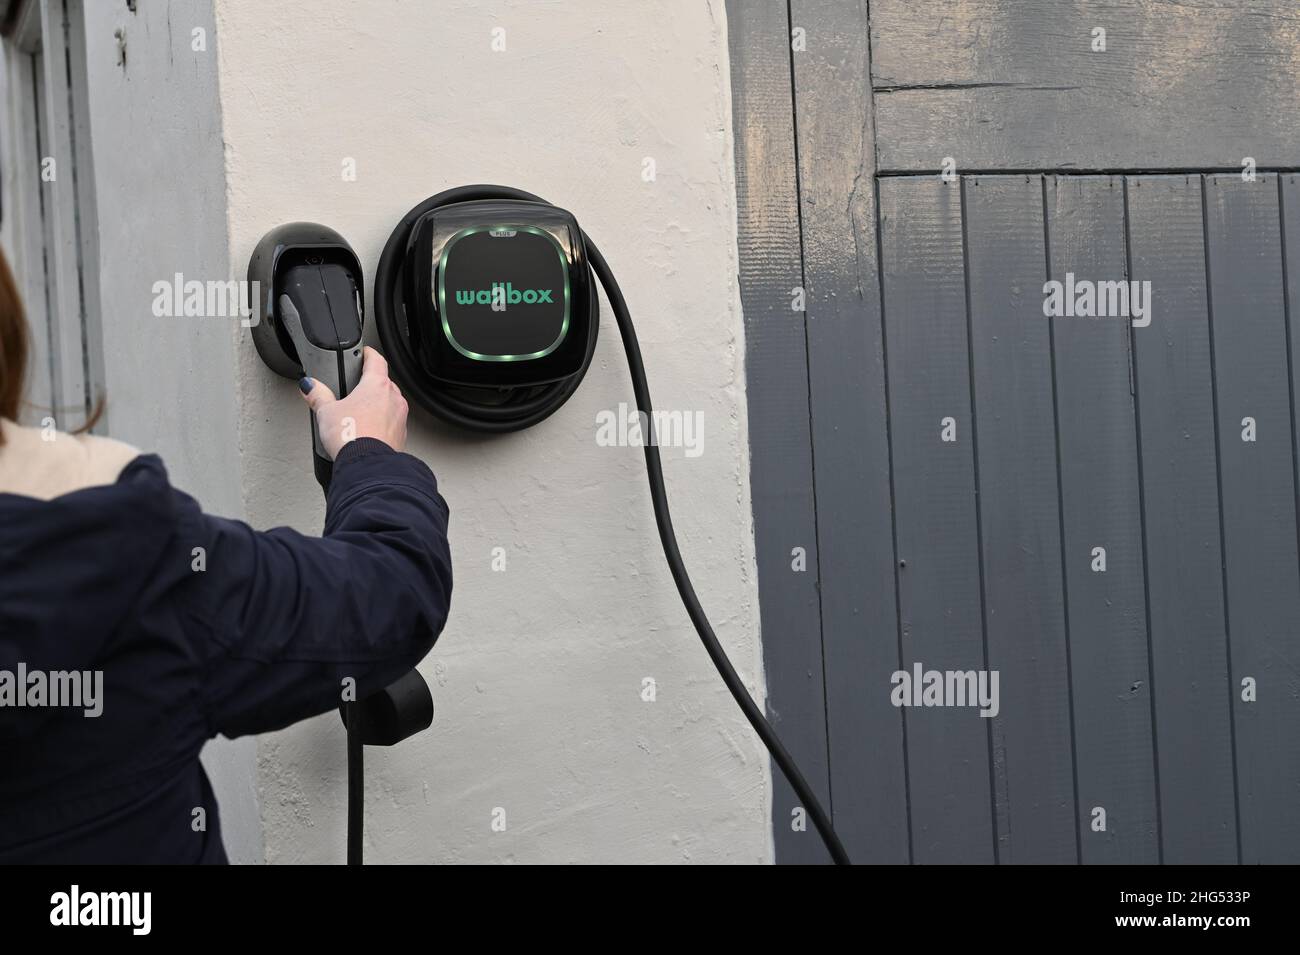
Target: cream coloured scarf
44, 464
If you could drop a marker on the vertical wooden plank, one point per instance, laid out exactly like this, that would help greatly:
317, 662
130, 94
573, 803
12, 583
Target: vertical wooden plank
66, 316
1289, 213
1106, 610
27, 228
776, 371
86, 217
1011, 364
1249, 340
1180, 494
849, 430
934, 485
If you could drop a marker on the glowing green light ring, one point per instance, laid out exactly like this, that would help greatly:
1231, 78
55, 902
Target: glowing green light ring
442, 293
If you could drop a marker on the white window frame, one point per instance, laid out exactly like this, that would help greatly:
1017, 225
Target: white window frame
49, 230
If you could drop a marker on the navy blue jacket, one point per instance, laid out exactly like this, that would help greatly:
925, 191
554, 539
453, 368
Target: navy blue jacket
252, 633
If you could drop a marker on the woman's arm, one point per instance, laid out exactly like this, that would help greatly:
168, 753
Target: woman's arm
290, 617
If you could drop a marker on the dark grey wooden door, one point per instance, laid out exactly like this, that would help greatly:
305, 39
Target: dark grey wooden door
1102, 509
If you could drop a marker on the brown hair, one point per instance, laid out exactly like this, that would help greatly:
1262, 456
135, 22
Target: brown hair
13, 344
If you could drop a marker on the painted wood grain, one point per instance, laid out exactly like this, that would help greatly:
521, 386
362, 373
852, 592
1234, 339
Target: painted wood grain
1101, 512
935, 518
1180, 494
1140, 665
849, 431
998, 84
1249, 338
780, 439
1011, 366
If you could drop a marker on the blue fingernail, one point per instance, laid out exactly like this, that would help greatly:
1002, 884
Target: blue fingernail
306, 385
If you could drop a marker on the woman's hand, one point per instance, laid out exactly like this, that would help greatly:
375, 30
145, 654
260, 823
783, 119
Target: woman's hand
374, 409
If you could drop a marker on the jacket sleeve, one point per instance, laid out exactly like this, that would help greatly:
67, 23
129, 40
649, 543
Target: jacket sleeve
290, 617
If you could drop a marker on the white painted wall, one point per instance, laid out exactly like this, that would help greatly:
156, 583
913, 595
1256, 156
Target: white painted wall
160, 200
537, 677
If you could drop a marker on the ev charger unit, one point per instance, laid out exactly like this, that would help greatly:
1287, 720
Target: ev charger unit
487, 311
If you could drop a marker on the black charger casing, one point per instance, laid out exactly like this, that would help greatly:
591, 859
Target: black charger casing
498, 293
274, 258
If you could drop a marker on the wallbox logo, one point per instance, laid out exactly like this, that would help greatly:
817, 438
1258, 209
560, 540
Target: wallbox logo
502, 294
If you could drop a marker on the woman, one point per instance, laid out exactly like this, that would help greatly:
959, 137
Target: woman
134, 627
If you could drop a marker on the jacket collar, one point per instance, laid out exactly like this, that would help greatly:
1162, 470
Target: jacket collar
45, 464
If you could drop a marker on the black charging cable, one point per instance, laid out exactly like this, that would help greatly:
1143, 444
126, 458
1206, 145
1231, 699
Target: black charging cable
668, 538
465, 410
356, 782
